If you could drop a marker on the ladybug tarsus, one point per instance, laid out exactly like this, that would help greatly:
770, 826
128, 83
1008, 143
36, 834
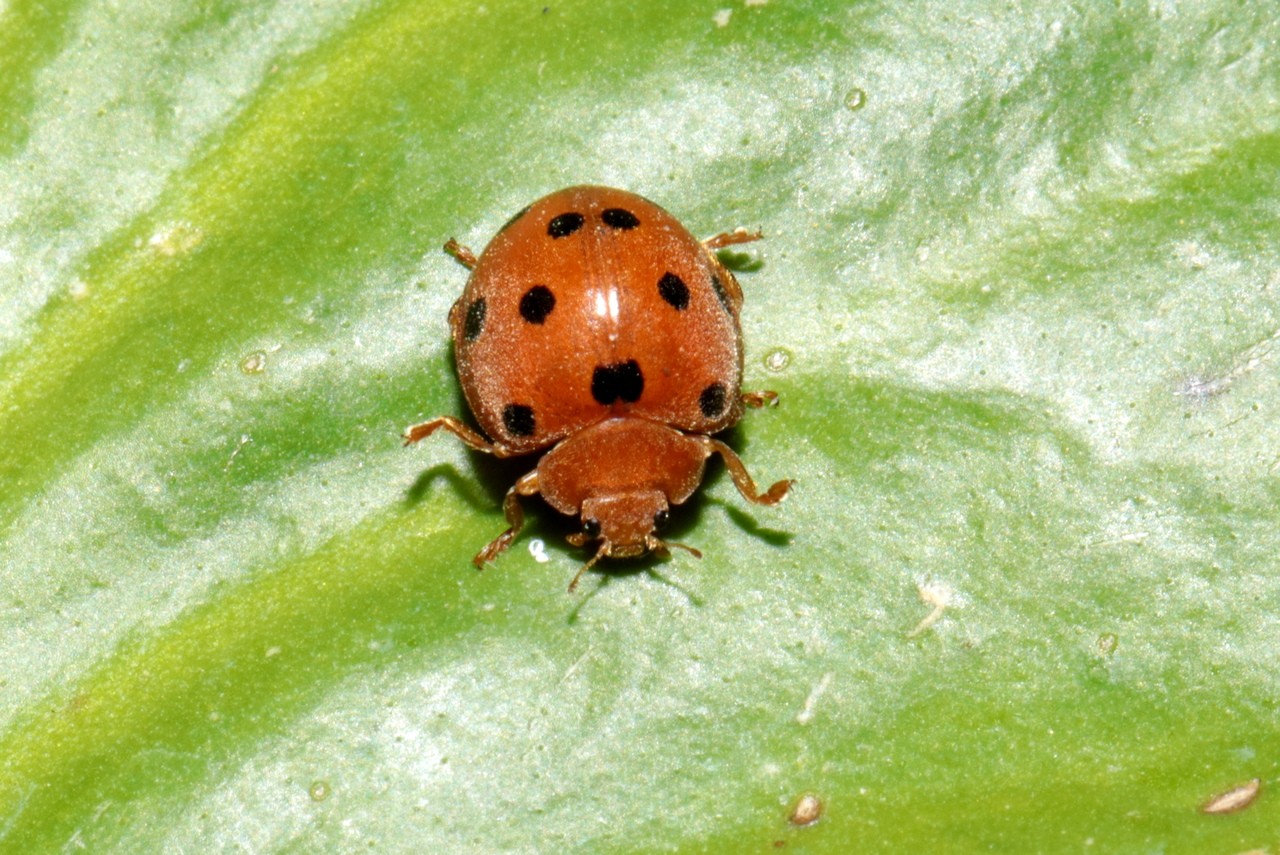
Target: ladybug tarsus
756, 400
464, 256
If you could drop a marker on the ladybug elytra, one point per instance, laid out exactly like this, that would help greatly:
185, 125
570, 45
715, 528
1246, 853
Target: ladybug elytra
596, 326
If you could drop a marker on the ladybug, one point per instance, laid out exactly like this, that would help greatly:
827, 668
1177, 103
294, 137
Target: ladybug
596, 326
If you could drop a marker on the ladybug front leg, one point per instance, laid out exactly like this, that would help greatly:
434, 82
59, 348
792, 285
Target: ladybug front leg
526, 486
741, 479
738, 235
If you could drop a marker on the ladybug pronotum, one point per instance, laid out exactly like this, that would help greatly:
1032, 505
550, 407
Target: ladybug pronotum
596, 326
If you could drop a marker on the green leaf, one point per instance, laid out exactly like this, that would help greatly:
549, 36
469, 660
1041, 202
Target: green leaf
1019, 297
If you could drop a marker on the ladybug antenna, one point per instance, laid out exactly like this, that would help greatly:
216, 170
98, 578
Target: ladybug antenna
600, 553
663, 547
696, 553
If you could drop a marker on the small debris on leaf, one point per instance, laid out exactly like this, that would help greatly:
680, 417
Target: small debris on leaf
1235, 799
807, 811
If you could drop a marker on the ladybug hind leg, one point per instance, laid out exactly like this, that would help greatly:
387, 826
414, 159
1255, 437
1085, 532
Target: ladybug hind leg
738, 235
464, 256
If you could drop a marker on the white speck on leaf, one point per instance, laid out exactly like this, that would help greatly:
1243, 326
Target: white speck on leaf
941, 596
176, 239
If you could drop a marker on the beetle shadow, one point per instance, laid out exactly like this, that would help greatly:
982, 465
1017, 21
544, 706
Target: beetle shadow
618, 570
739, 261
749, 524
486, 491
692, 514
463, 487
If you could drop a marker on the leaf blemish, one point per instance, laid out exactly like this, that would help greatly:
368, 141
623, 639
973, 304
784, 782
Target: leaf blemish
245, 439
1200, 388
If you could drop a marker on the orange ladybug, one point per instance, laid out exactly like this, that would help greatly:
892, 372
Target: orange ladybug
594, 324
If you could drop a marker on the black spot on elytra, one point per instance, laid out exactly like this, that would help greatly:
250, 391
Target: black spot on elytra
712, 400
518, 419
620, 380
619, 218
473, 325
674, 291
718, 284
565, 224
537, 303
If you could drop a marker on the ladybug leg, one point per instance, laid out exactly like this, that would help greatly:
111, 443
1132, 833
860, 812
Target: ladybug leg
759, 399
421, 431
526, 486
464, 256
738, 235
741, 479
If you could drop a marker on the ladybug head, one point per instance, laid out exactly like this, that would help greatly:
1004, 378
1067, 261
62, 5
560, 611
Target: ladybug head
626, 525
